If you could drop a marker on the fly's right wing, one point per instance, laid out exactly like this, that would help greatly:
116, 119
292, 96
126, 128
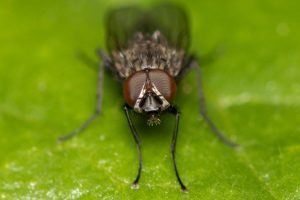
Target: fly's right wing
122, 23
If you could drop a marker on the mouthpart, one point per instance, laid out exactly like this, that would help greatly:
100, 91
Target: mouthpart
153, 120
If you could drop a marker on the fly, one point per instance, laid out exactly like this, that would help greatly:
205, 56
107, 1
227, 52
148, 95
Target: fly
149, 56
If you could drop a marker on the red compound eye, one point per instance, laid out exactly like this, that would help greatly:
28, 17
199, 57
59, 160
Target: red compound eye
165, 84
133, 85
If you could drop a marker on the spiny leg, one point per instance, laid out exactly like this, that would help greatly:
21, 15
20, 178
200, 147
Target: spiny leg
138, 143
203, 112
174, 111
103, 62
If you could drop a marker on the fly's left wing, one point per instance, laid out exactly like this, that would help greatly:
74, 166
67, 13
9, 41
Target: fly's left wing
172, 22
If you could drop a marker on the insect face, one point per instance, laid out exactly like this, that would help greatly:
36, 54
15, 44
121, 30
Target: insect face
149, 91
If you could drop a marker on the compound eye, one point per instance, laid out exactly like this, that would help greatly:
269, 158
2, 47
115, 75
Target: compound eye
165, 84
133, 86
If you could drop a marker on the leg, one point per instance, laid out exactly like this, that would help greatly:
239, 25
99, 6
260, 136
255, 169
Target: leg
186, 68
138, 143
98, 105
174, 111
203, 112
205, 59
109, 64
84, 58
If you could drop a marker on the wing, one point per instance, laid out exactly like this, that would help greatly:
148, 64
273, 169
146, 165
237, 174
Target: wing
121, 24
170, 20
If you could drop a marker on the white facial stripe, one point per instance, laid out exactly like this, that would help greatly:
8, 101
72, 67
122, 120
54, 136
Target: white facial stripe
165, 103
139, 99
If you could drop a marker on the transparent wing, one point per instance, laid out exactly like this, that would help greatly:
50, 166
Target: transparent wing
122, 23
170, 20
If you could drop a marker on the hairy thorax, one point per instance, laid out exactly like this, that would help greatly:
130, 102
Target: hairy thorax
145, 51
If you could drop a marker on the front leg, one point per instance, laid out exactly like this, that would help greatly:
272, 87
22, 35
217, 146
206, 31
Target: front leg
138, 143
174, 111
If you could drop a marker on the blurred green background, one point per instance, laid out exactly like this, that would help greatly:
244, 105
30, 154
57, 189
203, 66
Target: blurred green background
252, 91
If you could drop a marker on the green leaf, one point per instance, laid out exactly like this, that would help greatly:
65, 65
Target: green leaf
252, 93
